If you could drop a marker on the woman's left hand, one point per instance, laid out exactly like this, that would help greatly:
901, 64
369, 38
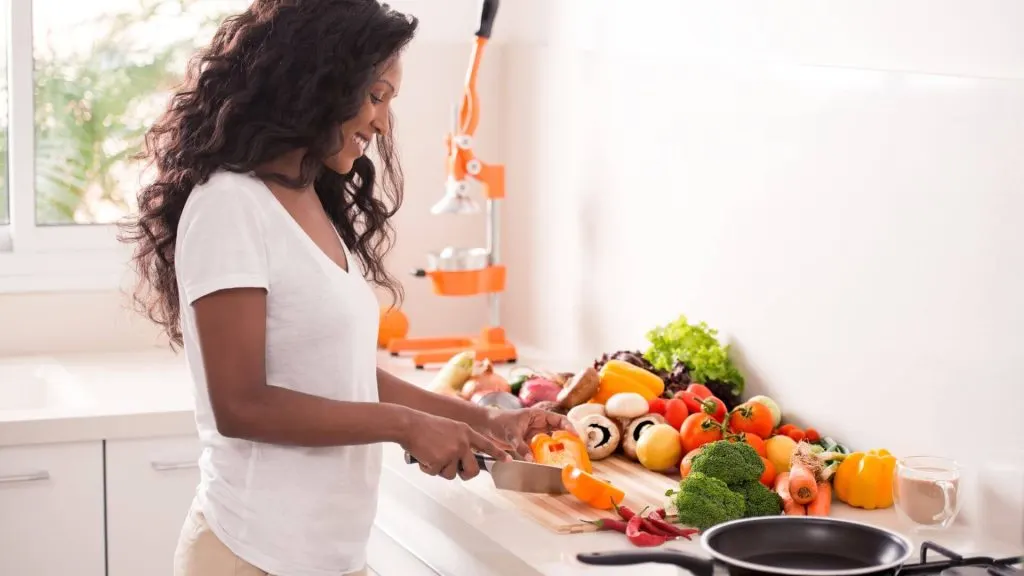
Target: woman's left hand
515, 428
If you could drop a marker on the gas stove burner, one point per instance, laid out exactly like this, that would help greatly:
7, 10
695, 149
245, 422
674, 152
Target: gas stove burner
987, 570
953, 564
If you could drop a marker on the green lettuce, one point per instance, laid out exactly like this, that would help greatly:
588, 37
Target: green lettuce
696, 346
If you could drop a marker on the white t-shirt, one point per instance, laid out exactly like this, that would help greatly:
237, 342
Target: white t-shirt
290, 511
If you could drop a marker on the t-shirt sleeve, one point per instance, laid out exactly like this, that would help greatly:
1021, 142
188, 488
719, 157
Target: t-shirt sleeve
221, 243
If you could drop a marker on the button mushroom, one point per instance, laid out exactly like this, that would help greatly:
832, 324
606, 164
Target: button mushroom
580, 388
601, 434
583, 410
626, 405
635, 429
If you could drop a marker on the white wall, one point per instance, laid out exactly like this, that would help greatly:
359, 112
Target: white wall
837, 186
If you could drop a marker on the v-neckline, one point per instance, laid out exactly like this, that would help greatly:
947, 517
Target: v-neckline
306, 239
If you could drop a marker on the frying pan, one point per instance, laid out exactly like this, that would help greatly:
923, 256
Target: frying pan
793, 545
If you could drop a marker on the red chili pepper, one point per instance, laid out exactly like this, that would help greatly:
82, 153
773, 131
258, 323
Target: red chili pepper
625, 512
639, 538
659, 521
651, 526
660, 512
609, 524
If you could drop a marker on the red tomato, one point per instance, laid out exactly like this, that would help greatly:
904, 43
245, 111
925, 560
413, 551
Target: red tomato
656, 406
797, 434
687, 463
752, 417
693, 403
792, 431
699, 390
716, 408
768, 477
708, 404
812, 435
698, 430
755, 441
675, 413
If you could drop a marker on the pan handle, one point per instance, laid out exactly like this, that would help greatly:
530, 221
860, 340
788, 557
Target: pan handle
696, 566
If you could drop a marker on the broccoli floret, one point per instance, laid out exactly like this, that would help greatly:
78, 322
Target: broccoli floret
702, 502
760, 500
730, 462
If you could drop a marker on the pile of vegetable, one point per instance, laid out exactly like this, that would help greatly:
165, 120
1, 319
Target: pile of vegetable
677, 408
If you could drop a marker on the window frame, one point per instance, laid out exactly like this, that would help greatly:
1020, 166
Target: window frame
40, 258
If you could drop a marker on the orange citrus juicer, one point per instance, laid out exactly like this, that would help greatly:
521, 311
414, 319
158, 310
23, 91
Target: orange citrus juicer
473, 271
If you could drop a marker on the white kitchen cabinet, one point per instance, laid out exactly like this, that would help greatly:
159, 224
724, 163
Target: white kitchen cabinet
51, 510
386, 557
150, 485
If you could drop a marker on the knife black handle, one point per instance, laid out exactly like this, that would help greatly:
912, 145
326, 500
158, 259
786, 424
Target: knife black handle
481, 459
488, 11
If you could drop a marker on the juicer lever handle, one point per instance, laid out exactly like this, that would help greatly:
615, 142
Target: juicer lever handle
488, 10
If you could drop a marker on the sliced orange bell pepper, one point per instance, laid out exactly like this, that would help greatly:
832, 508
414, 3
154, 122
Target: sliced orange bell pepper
589, 489
560, 449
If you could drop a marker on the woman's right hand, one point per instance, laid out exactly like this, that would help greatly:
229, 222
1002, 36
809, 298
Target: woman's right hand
440, 445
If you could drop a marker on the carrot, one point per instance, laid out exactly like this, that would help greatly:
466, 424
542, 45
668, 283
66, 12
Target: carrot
803, 486
822, 503
790, 507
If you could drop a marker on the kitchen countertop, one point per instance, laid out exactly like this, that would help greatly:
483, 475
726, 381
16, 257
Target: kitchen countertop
455, 527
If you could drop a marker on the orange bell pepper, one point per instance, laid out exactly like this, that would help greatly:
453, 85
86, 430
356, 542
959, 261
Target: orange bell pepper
589, 489
620, 376
560, 449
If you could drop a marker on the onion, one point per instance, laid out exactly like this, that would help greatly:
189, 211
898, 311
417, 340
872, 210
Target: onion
538, 390
484, 381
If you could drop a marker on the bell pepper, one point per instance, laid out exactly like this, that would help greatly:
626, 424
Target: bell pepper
620, 376
591, 490
864, 479
560, 449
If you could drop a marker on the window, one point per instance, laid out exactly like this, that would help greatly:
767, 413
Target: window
82, 82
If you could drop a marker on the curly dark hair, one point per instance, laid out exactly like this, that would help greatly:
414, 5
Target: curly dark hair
279, 77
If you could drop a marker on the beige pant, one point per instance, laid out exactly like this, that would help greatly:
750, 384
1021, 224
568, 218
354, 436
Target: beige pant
201, 553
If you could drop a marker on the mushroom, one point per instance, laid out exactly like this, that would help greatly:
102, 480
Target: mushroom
635, 429
601, 434
583, 410
626, 405
580, 388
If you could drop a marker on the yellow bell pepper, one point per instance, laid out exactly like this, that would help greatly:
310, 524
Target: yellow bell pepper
619, 376
864, 479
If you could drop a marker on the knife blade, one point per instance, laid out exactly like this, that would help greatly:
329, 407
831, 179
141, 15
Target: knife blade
517, 475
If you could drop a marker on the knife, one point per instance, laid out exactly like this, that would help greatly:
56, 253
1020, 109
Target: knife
517, 475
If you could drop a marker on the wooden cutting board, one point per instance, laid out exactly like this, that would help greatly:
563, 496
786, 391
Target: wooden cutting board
564, 514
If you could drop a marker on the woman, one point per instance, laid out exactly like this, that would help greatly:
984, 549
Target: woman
252, 244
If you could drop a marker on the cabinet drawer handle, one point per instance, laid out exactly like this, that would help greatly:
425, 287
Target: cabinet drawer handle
29, 477
165, 466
